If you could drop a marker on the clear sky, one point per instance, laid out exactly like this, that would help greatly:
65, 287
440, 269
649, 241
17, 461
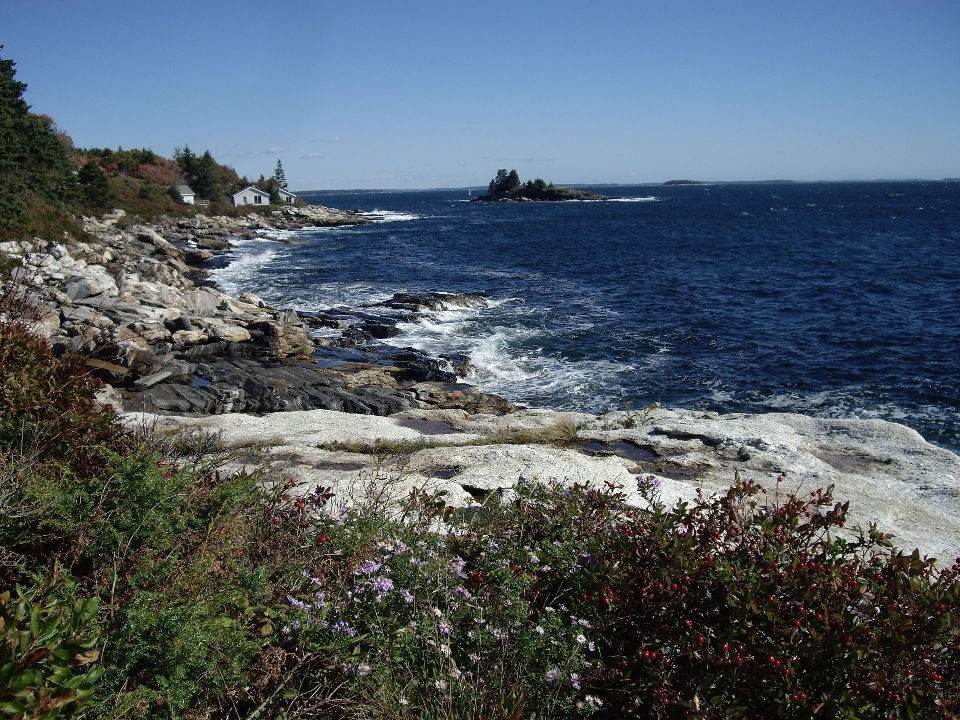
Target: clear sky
365, 94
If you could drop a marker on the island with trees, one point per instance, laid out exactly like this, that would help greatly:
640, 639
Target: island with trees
507, 187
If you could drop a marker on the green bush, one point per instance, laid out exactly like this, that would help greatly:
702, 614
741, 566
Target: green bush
47, 407
47, 649
565, 602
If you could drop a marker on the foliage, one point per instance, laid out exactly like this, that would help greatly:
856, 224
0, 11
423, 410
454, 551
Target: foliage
36, 177
46, 407
47, 648
507, 186
278, 175
737, 607
205, 176
566, 597
504, 182
96, 188
409, 621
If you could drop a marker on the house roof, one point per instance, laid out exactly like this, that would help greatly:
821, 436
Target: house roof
185, 190
258, 191
286, 192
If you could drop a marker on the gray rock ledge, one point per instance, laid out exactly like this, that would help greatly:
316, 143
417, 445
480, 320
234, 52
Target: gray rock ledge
890, 475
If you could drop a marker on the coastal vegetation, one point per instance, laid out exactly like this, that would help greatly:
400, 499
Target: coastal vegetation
139, 578
507, 187
45, 181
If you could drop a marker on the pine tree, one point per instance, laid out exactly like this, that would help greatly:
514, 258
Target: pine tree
34, 162
279, 176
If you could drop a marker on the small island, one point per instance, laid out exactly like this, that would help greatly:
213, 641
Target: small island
506, 187
683, 182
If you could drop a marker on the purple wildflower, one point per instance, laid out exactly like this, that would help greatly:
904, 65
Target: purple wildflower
369, 567
457, 565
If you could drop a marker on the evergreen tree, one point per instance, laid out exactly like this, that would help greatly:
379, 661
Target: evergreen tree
505, 181
96, 189
34, 162
205, 177
186, 160
279, 176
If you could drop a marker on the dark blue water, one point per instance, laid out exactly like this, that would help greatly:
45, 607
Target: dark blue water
829, 299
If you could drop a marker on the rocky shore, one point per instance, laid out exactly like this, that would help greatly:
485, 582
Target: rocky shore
177, 352
139, 304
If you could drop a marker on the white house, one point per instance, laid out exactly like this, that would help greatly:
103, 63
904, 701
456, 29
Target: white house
251, 196
188, 195
287, 197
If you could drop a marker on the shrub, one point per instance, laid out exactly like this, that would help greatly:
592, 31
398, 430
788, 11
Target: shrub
408, 620
47, 406
733, 607
47, 647
565, 601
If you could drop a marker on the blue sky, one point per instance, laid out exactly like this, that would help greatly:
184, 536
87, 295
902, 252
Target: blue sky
441, 94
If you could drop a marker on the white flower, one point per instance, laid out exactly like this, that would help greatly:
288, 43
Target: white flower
539, 629
440, 684
581, 639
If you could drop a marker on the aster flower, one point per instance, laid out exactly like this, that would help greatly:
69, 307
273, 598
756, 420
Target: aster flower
593, 702
440, 684
552, 674
457, 565
368, 568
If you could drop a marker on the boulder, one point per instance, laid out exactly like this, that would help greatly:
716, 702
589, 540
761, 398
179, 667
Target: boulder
226, 331
95, 281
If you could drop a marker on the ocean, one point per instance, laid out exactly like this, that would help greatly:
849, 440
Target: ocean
836, 300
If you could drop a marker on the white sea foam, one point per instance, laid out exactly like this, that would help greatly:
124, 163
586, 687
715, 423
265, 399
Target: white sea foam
507, 360
385, 216
650, 198
342, 295
243, 273
279, 234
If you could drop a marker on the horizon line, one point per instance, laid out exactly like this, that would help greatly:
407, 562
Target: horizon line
640, 184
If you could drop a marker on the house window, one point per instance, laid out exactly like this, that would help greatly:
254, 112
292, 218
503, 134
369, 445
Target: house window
257, 199
246, 200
